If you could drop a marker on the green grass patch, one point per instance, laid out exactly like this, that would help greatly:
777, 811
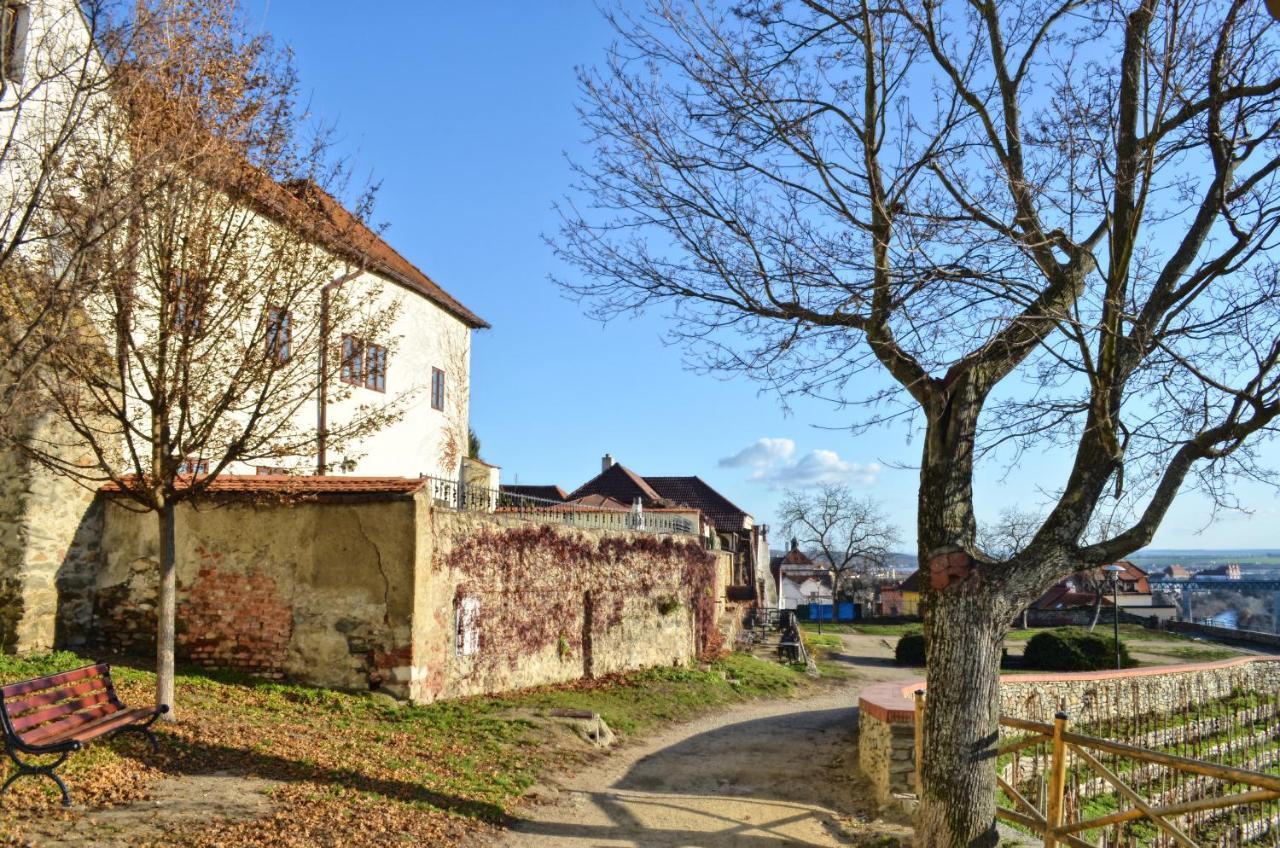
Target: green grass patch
470, 757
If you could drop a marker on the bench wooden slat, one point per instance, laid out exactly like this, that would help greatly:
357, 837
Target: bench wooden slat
24, 706
15, 689
112, 723
39, 717
54, 731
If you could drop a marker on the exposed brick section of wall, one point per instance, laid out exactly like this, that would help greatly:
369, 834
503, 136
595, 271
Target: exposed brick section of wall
235, 621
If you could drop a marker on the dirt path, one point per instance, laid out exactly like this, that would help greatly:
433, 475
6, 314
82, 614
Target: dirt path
779, 773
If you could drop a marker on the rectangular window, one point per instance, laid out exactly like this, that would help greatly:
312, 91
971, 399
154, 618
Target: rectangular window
279, 335
189, 295
14, 33
467, 629
352, 360
375, 367
437, 388
270, 471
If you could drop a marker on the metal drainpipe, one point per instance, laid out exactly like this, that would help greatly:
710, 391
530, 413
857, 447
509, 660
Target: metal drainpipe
322, 396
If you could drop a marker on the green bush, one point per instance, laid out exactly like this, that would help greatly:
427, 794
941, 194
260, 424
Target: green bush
910, 649
1074, 649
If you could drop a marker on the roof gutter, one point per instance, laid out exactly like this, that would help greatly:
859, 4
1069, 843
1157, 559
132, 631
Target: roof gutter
322, 395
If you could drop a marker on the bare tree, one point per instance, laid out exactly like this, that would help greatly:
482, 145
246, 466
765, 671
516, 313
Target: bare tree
850, 535
54, 105
204, 345
1039, 223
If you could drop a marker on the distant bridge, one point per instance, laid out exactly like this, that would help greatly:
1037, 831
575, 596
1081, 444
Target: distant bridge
1184, 589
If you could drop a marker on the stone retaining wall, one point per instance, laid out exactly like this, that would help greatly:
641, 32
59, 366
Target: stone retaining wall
364, 593
886, 711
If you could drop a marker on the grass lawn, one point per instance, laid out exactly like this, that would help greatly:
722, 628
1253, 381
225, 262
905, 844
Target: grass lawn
863, 629
353, 769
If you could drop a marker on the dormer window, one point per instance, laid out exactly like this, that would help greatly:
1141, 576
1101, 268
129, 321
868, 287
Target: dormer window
13, 31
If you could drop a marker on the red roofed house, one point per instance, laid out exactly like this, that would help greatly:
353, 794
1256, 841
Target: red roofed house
729, 527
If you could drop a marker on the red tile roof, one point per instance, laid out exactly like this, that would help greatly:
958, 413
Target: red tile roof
346, 233
600, 502
694, 492
300, 486
547, 493
620, 483
1062, 596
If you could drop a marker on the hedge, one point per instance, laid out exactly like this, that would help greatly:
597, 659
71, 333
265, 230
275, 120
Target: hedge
1074, 649
910, 649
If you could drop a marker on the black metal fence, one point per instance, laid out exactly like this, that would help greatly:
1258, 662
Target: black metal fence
452, 494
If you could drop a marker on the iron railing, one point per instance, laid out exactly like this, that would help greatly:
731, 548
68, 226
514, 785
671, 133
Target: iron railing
452, 494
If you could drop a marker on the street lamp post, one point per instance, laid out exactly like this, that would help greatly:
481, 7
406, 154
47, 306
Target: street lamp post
1113, 577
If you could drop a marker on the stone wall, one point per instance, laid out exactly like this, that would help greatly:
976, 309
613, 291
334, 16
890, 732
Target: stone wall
360, 593
555, 604
887, 710
49, 533
321, 592
886, 754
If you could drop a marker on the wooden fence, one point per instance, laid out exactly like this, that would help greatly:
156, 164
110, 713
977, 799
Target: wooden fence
1085, 791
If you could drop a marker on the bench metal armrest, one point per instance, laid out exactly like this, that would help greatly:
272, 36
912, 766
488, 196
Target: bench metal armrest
69, 746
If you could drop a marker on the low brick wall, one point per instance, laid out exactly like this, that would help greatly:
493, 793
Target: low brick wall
886, 711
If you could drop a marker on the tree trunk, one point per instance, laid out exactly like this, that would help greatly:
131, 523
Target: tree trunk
966, 615
1097, 609
166, 608
965, 633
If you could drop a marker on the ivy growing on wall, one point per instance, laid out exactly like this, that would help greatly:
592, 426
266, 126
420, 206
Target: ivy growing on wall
542, 588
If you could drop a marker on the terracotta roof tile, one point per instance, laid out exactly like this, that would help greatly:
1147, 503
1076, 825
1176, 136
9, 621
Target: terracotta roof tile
300, 486
547, 493
620, 483
694, 492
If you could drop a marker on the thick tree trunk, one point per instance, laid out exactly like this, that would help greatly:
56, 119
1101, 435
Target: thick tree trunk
966, 614
166, 608
965, 633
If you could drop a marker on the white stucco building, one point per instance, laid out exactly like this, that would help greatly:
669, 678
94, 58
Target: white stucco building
419, 364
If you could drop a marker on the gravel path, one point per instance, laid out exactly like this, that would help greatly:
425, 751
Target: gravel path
762, 775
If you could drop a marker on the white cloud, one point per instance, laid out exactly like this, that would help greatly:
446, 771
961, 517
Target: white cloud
773, 463
764, 453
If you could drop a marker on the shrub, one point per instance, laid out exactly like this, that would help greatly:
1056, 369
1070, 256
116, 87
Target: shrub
1074, 649
910, 649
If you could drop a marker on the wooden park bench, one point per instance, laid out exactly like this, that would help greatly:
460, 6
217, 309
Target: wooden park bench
57, 715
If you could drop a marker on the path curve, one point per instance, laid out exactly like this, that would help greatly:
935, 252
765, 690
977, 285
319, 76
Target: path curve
759, 775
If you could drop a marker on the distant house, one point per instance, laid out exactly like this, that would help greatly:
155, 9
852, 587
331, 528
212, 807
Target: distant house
729, 527
1222, 572
1176, 572
800, 580
901, 598
1072, 600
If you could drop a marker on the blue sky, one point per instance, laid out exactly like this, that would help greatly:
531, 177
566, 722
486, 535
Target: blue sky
465, 112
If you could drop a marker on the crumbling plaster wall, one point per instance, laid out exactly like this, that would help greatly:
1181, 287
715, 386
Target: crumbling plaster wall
359, 595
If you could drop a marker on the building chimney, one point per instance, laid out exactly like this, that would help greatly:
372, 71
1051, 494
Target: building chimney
606, 463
